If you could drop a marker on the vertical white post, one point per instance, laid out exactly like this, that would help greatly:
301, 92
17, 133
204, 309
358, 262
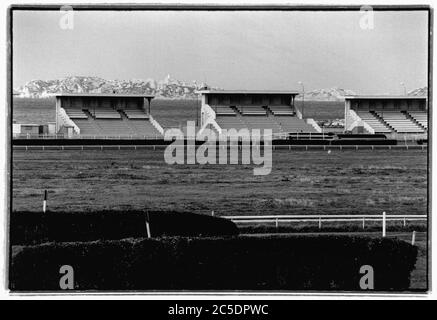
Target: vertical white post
405, 221
148, 226
212, 213
383, 223
320, 222
44, 203
413, 238
276, 223
364, 222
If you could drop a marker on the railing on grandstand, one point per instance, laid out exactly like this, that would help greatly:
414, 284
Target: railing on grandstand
284, 136
65, 136
275, 136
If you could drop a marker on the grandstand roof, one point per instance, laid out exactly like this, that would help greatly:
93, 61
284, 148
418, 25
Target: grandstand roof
104, 95
248, 92
370, 97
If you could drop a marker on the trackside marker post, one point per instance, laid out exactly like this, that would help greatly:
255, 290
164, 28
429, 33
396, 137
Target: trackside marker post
413, 238
383, 223
44, 203
148, 226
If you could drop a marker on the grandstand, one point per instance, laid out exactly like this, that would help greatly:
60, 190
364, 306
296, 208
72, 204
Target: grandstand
396, 116
273, 110
105, 115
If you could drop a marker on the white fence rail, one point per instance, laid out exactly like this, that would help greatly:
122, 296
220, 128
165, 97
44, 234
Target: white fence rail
277, 219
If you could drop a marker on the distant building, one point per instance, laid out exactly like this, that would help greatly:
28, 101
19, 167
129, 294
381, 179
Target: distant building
109, 115
397, 116
275, 110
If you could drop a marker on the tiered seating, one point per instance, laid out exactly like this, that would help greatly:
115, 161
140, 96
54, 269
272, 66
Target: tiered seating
420, 116
224, 111
257, 122
399, 122
113, 127
143, 128
281, 110
231, 123
107, 122
373, 121
74, 113
87, 127
106, 113
136, 114
294, 124
252, 110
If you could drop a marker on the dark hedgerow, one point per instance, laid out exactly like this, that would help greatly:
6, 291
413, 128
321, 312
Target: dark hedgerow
35, 227
298, 262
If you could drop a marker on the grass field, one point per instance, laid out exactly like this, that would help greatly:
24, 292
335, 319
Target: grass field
313, 182
169, 113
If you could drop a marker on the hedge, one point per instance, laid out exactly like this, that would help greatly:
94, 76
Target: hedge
298, 262
34, 227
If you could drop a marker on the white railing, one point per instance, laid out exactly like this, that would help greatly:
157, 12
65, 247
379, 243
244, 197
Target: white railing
276, 219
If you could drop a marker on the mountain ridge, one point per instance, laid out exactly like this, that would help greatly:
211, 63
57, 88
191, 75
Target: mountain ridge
168, 88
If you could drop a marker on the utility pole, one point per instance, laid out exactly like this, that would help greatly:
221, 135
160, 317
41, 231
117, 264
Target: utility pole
303, 98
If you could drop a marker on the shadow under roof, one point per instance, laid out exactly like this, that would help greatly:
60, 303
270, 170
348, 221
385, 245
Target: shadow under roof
103, 95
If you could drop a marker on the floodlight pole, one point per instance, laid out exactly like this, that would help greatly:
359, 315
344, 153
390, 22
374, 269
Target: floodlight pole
303, 98
149, 235
197, 112
405, 89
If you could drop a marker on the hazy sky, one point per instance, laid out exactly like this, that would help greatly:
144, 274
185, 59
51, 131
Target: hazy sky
232, 50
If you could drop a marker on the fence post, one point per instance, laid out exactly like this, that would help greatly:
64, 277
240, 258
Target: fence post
148, 226
364, 222
383, 224
276, 223
413, 238
44, 203
320, 222
405, 222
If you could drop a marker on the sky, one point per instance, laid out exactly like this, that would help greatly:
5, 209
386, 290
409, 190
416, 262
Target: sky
270, 50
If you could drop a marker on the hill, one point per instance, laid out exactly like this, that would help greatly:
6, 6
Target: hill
167, 88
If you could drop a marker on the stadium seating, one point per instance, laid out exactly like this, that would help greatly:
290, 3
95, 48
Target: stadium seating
226, 122
252, 110
142, 128
75, 113
281, 110
294, 124
135, 114
280, 119
224, 111
113, 127
420, 116
374, 122
87, 128
107, 122
257, 122
399, 122
106, 113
